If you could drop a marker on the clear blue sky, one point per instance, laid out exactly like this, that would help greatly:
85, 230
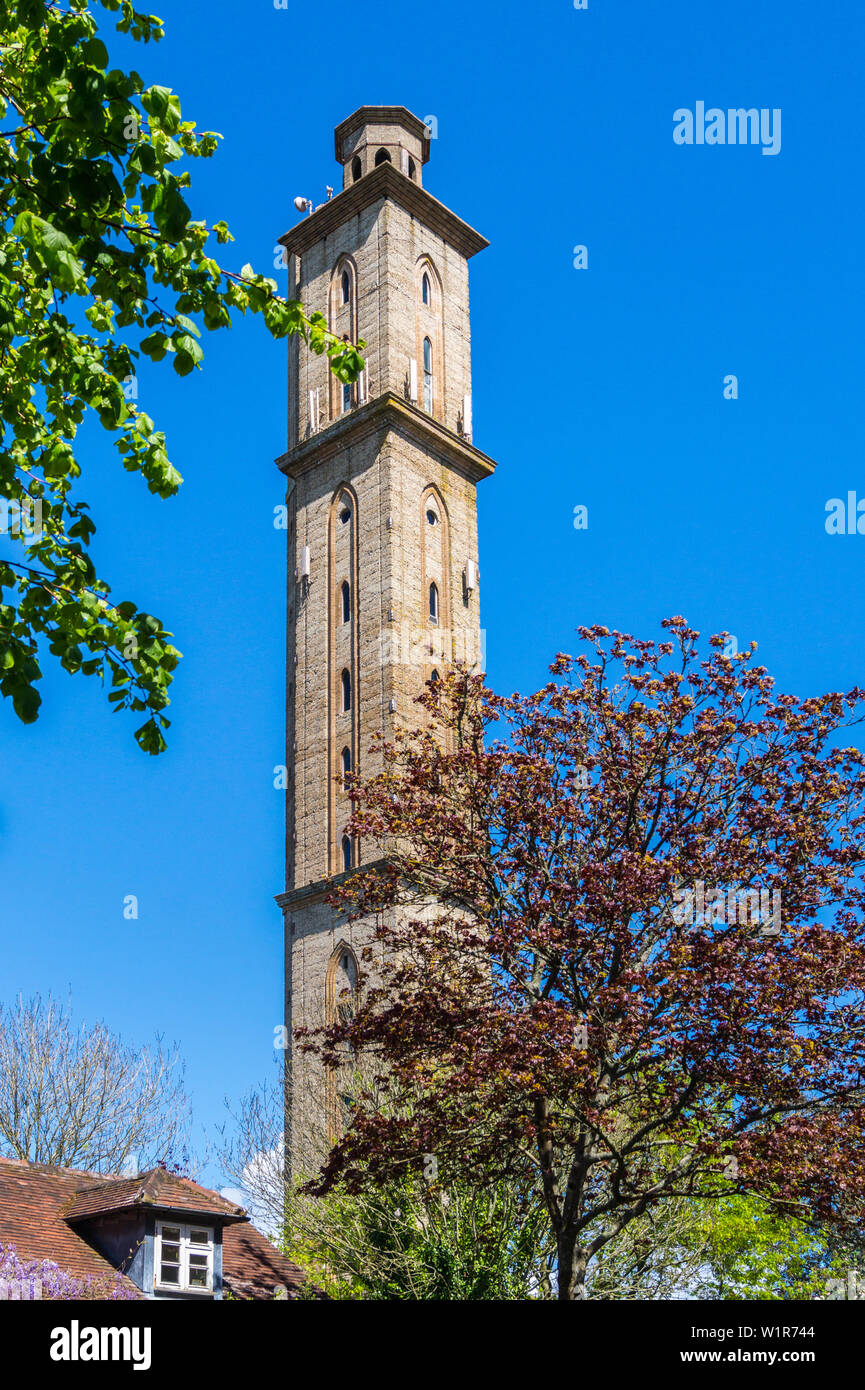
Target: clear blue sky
600, 387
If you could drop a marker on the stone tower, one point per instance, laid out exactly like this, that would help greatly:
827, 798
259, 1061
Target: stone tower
382, 531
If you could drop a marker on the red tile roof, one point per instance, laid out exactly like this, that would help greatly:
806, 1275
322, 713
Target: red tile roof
157, 1188
252, 1268
31, 1197
40, 1205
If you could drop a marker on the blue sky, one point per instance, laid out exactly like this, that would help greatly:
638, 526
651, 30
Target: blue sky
600, 387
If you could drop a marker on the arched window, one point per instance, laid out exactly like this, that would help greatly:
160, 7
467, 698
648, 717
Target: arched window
435, 676
433, 603
412, 169
427, 376
345, 593
355, 168
346, 852
346, 691
340, 995
346, 767
345, 986
341, 983
425, 289
342, 322
383, 157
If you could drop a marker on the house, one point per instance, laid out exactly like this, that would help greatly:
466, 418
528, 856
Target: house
165, 1235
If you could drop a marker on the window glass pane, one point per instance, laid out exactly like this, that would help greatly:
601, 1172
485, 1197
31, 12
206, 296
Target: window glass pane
171, 1233
199, 1261
170, 1274
198, 1278
199, 1237
171, 1253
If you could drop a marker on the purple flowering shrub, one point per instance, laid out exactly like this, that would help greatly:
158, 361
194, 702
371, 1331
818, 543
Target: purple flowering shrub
28, 1279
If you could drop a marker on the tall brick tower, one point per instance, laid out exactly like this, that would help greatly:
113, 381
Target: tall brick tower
382, 532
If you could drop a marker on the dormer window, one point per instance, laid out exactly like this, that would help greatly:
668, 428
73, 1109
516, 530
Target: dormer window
183, 1258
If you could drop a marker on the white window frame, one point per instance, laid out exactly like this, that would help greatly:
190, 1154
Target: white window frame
187, 1248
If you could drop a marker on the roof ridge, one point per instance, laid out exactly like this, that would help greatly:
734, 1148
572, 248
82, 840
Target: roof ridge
58, 1168
147, 1183
162, 1174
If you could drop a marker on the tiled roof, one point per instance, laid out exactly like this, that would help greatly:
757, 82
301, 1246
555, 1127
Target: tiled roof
252, 1268
157, 1188
40, 1206
31, 1198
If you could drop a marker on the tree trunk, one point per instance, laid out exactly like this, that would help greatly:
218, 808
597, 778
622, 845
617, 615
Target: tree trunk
571, 1269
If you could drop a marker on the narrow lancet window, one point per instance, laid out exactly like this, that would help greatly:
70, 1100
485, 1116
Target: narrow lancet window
427, 376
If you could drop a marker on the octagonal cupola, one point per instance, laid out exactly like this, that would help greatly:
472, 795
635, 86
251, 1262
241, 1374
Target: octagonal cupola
376, 135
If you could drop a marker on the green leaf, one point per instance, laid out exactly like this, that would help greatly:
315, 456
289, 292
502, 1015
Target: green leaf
54, 249
187, 346
26, 701
149, 737
155, 101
